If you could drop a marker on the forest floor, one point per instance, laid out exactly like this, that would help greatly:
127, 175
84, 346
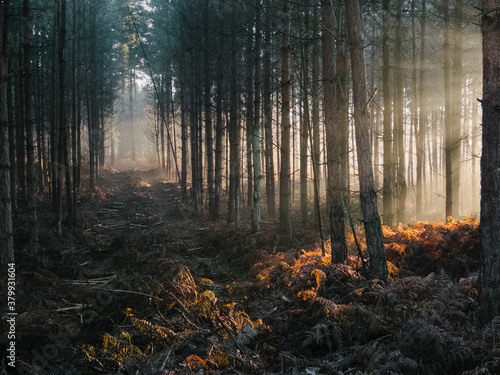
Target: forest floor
145, 285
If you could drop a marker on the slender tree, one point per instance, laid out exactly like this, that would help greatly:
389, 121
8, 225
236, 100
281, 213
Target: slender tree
448, 138
456, 107
285, 189
268, 120
399, 120
422, 123
336, 181
388, 168
6, 239
371, 219
28, 118
256, 215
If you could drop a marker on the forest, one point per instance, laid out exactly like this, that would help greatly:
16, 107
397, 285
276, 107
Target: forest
250, 186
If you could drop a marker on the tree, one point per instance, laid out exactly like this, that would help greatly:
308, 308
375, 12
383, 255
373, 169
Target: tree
268, 120
388, 183
6, 240
368, 197
234, 209
285, 192
399, 116
256, 216
490, 161
30, 143
422, 115
336, 181
61, 144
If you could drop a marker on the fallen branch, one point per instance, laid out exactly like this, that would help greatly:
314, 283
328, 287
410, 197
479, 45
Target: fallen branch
130, 292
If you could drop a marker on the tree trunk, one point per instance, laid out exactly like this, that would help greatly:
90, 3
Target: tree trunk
131, 82
336, 186
456, 108
234, 133
285, 223
448, 112
208, 122
28, 118
184, 136
315, 107
268, 123
388, 169
490, 162
256, 215
219, 128
422, 117
399, 119
371, 219
304, 126
61, 152
249, 114
6, 239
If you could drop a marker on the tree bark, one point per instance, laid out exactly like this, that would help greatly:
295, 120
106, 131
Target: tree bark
456, 108
285, 223
256, 214
336, 186
234, 132
448, 139
490, 161
371, 219
399, 122
388, 168
28, 118
422, 117
219, 129
268, 123
6, 239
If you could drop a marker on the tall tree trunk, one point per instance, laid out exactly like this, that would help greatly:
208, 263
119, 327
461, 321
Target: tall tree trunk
74, 99
399, 119
371, 219
234, 132
456, 108
490, 162
162, 124
184, 136
285, 223
388, 169
422, 117
342, 100
249, 114
304, 123
131, 83
336, 186
256, 215
6, 239
61, 10
12, 130
448, 111
208, 122
30, 143
315, 149
219, 128
268, 122
21, 137
194, 135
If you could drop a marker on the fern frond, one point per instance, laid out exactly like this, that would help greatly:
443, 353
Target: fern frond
326, 334
155, 332
327, 305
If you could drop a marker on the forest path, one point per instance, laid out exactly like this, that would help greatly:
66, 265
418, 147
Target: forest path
133, 236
